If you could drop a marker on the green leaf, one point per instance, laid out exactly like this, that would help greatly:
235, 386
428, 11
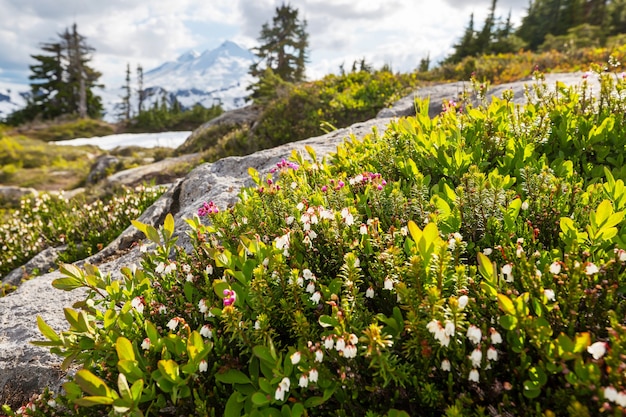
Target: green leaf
124, 349
508, 322
260, 399
581, 342
328, 321
485, 267
234, 405
531, 389
136, 389
232, 376
312, 402
169, 369
506, 304
123, 388
92, 384
67, 284
71, 271
168, 225
46, 330
91, 401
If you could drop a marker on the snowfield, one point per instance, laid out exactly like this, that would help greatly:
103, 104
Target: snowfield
144, 140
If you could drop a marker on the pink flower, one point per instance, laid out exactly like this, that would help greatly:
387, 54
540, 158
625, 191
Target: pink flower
208, 208
229, 297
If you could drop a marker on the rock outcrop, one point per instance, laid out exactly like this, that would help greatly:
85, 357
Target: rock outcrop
25, 369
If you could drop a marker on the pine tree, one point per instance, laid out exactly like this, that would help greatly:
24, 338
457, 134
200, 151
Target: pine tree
142, 94
283, 46
62, 80
124, 106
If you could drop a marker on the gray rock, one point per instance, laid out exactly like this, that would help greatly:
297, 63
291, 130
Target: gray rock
12, 195
43, 262
99, 168
160, 172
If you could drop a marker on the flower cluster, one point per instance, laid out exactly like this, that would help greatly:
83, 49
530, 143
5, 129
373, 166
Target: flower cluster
208, 208
346, 346
229, 297
284, 166
368, 178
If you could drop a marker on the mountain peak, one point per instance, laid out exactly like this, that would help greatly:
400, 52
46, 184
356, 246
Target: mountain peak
188, 56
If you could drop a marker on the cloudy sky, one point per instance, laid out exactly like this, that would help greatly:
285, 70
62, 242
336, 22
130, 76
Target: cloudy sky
150, 32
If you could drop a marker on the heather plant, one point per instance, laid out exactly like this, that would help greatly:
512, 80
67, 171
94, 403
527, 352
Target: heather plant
466, 265
50, 220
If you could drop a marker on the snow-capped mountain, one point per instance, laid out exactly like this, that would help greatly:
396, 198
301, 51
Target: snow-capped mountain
12, 97
217, 76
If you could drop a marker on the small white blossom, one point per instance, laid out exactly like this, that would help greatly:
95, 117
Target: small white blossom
492, 354
319, 356
162, 309
202, 306
160, 268
525, 205
597, 350
621, 399
173, 324
449, 328
340, 345
369, 293
171, 267
433, 326
591, 269
350, 351
487, 251
329, 342
463, 300
549, 294
555, 267
137, 304
257, 325
474, 334
348, 218
507, 272
307, 274
289, 220
474, 376
209, 270
295, 358
310, 288
388, 285
496, 338
304, 381
206, 331
279, 395
313, 374
316, 297
363, 229
445, 365
145, 345
476, 357
610, 394
203, 366
300, 206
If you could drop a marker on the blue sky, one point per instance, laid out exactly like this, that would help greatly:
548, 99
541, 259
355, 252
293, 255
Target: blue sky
395, 32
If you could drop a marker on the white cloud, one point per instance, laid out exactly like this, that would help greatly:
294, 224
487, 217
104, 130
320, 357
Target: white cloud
397, 32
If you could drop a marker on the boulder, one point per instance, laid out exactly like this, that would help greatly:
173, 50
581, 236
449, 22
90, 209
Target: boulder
99, 168
12, 195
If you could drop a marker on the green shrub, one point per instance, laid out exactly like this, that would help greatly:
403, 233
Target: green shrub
52, 220
471, 264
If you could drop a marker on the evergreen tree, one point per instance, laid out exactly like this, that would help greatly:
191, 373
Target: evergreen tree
62, 80
484, 37
283, 46
141, 92
467, 44
124, 106
81, 77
